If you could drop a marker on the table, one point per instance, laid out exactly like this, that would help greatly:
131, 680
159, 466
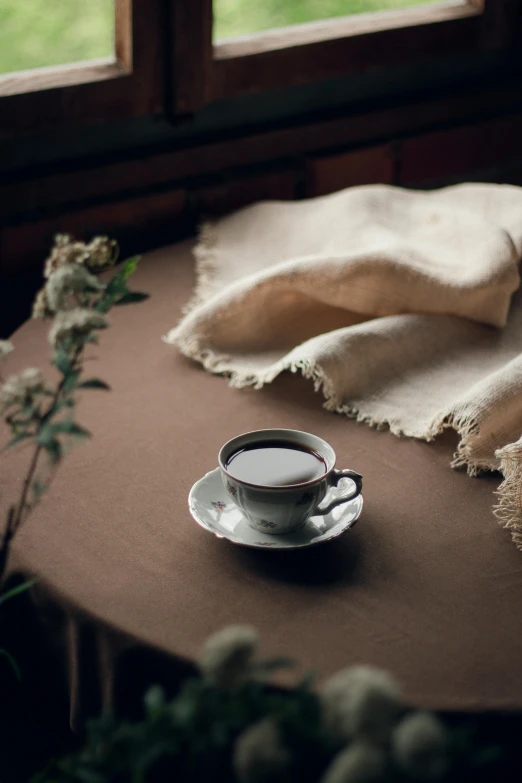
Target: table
426, 585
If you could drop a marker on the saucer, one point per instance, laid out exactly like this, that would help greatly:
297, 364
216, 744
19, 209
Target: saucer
211, 507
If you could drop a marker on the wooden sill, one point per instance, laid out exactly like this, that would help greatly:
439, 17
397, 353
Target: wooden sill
344, 27
39, 79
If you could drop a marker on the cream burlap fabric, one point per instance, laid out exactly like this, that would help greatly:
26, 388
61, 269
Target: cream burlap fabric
398, 304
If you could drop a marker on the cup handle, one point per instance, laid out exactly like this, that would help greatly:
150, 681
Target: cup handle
335, 477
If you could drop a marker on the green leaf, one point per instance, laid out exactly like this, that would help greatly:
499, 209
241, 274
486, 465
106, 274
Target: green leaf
27, 410
116, 288
17, 590
17, 439
54, 450
93, 383
79, 432
131, 297
62, 361
129, 267
44, 435
71, 381
104, 304
49, 442
125, 271
70, 428
13, 663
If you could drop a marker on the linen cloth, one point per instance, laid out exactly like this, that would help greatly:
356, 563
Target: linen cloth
398, 304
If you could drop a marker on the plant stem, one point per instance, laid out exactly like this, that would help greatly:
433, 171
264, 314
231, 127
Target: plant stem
6, 538
25, 487
14, 516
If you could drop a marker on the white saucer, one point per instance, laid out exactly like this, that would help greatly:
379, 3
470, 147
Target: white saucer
211, 507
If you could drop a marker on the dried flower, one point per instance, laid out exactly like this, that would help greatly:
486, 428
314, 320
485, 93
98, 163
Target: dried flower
227, 655
65, 251
69, 279
420, 746
5, 348
101, 252
75, 323
20, 389
41, 307
359, 763
361, 702
259, 755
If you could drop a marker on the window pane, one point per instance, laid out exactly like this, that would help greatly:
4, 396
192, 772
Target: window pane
240, 17
35, 33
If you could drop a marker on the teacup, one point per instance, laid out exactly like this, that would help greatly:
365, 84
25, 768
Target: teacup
279, 508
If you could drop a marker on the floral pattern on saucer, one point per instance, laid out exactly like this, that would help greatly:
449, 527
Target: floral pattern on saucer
231, 489
211, 508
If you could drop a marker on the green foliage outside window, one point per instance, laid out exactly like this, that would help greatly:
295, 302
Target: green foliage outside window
37, 33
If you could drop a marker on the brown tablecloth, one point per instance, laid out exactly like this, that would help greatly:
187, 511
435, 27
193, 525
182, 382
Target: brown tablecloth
426, 585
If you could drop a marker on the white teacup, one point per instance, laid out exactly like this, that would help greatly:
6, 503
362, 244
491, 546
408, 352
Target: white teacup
281, 509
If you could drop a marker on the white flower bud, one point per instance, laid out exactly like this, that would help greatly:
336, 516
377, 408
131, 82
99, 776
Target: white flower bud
259, 755
20, 389
69, 279
227, 655
420, 746
5, 348
101, 252
75, 323
361, 702
65, 251
41, 307
359, 763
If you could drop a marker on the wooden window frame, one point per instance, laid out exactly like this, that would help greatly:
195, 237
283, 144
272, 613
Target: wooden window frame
166, 63
202, 72
129, 85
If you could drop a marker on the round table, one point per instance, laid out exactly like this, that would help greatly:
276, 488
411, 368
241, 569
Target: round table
426, 585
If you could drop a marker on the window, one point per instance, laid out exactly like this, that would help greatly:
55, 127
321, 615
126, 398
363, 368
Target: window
163, 60
125, 82
233, 18
34, 33
342, 46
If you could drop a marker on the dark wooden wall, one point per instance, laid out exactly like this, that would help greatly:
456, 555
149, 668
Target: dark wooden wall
150, 196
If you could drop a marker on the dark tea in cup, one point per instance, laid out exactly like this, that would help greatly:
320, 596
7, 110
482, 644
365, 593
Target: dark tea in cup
276, 463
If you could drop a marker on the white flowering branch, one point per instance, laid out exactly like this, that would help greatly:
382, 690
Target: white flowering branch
76, 301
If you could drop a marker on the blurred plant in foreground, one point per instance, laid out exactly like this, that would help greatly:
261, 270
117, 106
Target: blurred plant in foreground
231, 723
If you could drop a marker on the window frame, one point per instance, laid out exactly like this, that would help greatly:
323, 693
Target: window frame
130, 85
203, 71
166, 63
